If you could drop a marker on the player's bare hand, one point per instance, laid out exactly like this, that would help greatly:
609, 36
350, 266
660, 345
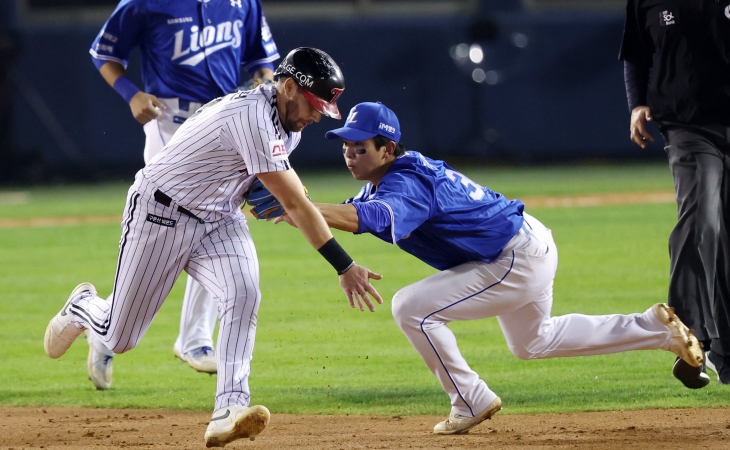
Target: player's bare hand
639, 134
285, 218
356, 285
145, 107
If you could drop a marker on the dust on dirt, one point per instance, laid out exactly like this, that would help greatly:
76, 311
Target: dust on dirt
86, 428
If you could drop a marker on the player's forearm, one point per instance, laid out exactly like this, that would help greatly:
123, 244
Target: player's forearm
310, 222
341, 217
288, 189
111, 71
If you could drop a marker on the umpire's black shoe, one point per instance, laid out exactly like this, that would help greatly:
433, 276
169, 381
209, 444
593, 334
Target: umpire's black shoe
720, 365
691, 377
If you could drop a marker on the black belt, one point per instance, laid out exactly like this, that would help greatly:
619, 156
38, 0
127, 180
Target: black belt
161, 197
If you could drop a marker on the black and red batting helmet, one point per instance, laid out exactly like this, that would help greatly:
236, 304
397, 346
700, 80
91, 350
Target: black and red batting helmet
318, 75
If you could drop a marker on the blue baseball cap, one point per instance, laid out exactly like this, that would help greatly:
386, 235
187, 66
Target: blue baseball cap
367, 120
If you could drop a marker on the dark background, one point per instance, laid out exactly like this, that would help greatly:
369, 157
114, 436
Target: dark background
551, 88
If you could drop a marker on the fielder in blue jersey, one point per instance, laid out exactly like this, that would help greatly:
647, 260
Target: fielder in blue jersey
493, 260
192, 52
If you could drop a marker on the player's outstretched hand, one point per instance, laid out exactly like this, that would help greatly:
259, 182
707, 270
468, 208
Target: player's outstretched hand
284, 218
145, 107
356, 285
639, 134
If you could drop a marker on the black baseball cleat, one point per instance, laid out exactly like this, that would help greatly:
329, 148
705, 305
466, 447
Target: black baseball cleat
691, 377
720, 365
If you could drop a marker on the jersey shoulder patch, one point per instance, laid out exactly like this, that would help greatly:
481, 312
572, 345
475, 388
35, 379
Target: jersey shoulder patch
277, 150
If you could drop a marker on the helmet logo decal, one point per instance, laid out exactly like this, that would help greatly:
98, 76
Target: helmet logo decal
336, 92
303, 80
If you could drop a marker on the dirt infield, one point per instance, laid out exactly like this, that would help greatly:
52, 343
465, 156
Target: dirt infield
83, 428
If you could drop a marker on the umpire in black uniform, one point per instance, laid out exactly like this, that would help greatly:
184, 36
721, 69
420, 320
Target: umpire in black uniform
676, 57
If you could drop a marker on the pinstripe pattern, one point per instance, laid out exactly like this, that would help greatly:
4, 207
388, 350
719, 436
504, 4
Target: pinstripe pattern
234, 282
205, 168
198, 317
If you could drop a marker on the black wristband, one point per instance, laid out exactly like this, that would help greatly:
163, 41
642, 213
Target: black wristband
337, 256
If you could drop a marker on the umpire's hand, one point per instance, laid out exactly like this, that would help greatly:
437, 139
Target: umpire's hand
639, 116
145, 107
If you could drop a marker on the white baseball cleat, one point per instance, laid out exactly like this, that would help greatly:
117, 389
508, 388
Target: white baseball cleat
684, 343
99, 363
236, 422
201, 359
61, 332
458, 424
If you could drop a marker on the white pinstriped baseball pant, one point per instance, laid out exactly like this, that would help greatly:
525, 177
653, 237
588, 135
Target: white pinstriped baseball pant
219, 255
198, 315
517, 288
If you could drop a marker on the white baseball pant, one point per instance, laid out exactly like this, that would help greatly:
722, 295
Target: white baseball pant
152, 253
198, 316
517, 288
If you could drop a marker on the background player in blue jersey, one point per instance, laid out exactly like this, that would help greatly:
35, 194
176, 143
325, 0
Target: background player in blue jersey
192, 52
494, 260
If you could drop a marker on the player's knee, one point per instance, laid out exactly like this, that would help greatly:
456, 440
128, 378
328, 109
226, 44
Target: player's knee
122, 346
521, 353
399, 307
524, 352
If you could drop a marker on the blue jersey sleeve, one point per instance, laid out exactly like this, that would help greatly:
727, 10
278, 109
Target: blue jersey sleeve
260, 48
400, 205
120, 34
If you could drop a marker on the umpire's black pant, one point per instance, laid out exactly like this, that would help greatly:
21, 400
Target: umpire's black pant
699, 246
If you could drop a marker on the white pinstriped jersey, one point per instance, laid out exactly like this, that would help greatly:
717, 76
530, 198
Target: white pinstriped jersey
210, 161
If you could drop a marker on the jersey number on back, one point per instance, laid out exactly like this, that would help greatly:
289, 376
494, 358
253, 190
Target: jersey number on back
477, 193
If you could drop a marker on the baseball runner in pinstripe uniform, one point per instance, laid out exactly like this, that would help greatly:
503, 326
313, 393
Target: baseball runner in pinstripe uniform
183, 213
192, 52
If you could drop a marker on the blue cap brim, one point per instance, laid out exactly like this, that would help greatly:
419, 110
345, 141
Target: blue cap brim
351, 134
